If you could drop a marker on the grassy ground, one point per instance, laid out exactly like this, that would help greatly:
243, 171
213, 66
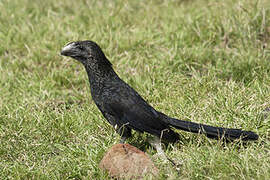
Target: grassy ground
204, 61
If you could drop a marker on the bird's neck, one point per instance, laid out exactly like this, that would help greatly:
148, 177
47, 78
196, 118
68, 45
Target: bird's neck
100, 74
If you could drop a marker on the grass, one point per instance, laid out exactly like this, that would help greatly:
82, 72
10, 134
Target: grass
204, 61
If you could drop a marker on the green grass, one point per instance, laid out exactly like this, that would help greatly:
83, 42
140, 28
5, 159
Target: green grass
204, 61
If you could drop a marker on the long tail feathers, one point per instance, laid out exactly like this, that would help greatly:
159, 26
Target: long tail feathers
213, 132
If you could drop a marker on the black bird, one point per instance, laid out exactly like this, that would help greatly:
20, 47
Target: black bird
125, 109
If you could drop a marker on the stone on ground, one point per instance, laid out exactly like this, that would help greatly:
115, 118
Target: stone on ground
126, 161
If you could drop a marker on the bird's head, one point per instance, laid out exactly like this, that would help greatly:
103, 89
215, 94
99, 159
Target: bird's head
86, 52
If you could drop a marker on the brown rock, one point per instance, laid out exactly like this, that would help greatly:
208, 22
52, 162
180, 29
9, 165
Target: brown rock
126, 161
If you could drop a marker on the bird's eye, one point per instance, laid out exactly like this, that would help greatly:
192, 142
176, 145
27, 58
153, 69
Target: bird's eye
81, 48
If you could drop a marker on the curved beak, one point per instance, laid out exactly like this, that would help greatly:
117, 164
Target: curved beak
68, 50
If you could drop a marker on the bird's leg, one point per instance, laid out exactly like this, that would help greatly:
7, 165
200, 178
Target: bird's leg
155, 142
123, 139
124, 132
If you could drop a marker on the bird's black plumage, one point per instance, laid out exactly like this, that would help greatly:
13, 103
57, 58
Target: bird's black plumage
125, 109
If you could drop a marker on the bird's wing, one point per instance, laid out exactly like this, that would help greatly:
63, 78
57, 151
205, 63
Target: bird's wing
134, 112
